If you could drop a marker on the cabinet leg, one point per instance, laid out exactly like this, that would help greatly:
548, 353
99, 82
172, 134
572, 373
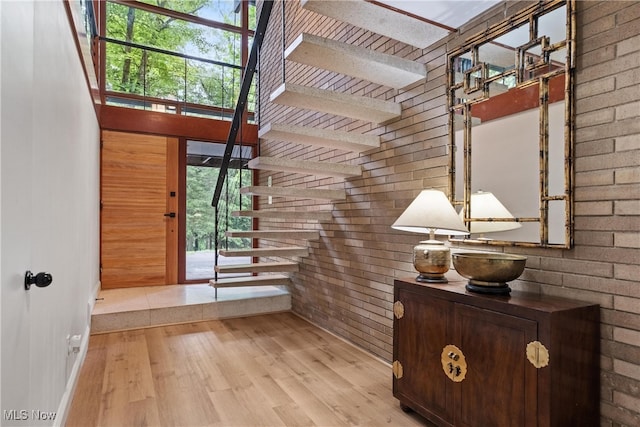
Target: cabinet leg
405, 408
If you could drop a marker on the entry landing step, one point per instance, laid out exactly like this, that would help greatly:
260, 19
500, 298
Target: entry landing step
306, 167
347, 141
259, 267
355, 61
151, 306
301, 251
276, 234
295, 192
298, 215
341, 104
379, 20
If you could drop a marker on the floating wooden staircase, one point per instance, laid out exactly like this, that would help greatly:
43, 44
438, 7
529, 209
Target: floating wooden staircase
355, 61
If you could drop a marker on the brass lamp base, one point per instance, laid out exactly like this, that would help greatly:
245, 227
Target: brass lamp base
432, 259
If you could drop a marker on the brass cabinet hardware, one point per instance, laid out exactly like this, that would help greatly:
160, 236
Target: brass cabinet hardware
397, 370
454, 363
398, 309
537, 354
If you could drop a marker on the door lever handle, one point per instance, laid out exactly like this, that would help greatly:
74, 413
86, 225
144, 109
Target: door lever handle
170, 214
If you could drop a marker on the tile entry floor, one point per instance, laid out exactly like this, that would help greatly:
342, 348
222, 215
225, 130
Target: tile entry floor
141, 307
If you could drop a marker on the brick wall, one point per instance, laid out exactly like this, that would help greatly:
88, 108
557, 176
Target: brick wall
346, 284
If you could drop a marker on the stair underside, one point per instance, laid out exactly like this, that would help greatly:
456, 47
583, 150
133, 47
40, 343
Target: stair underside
260, 267
281, 164
295, 192
272, 213
267, 252
341, 140
265, 280
276, 234
341, 104
366, 64
379, 20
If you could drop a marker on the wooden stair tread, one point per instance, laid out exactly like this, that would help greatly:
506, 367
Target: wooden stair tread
341, 104
276, 234
355, 61
258, 267
379, 20
307, 167
263, 280
348, 141
295, 192
273, 213
266, 252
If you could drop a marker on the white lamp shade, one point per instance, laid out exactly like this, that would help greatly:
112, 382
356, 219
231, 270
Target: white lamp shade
485, 205
431, 211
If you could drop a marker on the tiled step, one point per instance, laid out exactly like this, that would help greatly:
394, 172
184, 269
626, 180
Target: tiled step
355, 61
341, 104
276, 234
295, 192
259, 267
379, 20
267, 252
299, 215
306, 167
151, 306
264, 280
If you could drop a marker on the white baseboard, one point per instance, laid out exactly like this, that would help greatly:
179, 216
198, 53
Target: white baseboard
72, 381
67, 397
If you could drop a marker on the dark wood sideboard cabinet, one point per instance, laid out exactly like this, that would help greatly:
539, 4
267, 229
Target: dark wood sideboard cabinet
465, 359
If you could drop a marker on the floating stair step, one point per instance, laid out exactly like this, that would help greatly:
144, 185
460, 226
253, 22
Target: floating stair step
268, 252
379, 20
341, 140
276, 234
272, 213
265, 280
259, 267
295, 192
355, 61
306, 167
341, 104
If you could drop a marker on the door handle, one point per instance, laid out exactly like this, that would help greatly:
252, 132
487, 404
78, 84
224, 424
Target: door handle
170, 214
41, 280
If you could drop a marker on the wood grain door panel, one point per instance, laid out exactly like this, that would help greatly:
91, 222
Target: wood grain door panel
136, 235
500, 387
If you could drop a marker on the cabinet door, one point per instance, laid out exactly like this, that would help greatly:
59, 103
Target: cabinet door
500, 387
419, 336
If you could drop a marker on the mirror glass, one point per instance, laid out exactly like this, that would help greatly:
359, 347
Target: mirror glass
511, 125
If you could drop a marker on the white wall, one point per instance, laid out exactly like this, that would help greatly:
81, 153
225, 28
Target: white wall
49, 209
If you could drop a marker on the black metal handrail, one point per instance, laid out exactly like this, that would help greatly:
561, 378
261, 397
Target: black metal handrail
242, 98
247, 79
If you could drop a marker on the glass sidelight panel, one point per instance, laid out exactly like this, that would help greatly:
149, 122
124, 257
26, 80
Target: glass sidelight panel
203, 167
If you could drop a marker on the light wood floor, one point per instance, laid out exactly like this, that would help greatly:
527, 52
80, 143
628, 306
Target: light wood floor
270, 370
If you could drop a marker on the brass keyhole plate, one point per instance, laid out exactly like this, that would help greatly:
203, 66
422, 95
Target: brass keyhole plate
454, 364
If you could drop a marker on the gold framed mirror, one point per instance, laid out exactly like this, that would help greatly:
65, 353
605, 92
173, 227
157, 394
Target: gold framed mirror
511, 128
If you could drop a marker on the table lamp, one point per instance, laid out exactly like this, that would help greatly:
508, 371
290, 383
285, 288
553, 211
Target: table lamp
432, 213
485, 205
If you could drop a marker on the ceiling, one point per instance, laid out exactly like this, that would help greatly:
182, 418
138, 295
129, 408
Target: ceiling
451, 13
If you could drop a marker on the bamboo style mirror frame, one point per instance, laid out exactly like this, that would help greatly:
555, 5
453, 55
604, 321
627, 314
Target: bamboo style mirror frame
511, 125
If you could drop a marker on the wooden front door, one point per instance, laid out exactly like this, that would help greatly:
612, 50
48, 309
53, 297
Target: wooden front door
139, 192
